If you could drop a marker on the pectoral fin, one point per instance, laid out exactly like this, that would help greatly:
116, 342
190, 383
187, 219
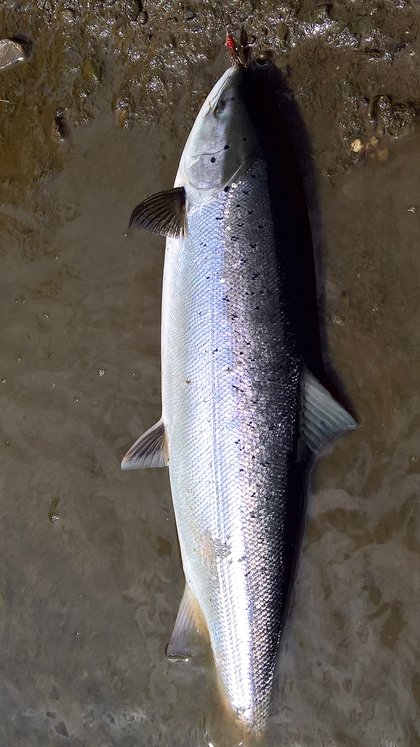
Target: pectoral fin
323, 418
162, 213
150, 450
184, 639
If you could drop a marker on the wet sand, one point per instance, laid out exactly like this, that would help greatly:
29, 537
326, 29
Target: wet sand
90, 578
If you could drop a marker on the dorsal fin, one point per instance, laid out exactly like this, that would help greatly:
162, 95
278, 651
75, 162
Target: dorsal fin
323, 418
162, 213
149, 450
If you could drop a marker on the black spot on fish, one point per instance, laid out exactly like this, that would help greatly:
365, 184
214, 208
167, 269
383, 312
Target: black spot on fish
250, 212
226, 189
226, 147
253, 246
212, 159
244, 139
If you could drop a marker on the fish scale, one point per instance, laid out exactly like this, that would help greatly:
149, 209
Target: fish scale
231, 428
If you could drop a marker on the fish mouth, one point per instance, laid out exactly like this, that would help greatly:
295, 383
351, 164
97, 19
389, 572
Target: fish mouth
195, 156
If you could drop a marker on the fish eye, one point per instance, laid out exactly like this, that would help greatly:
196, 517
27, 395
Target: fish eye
262, 61
219, 106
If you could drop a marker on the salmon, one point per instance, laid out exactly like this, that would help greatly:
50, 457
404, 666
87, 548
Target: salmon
243, 415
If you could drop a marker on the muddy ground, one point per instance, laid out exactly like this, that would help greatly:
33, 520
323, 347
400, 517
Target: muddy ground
90, 580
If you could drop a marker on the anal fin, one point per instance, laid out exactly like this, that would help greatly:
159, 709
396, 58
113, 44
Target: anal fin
183, 642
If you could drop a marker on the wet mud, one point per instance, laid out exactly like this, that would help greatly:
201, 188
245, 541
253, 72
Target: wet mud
91, 121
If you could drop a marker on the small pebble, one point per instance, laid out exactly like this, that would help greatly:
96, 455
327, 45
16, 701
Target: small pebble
101, 372
142, 18
189, 14
357, 145
53, 514
411, 209
11, 52
122, 116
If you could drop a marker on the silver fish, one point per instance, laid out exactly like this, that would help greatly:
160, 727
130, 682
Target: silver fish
242, 415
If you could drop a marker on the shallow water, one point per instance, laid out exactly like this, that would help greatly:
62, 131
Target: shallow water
90, 577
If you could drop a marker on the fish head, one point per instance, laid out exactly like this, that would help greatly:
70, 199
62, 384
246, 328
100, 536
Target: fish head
222, 143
